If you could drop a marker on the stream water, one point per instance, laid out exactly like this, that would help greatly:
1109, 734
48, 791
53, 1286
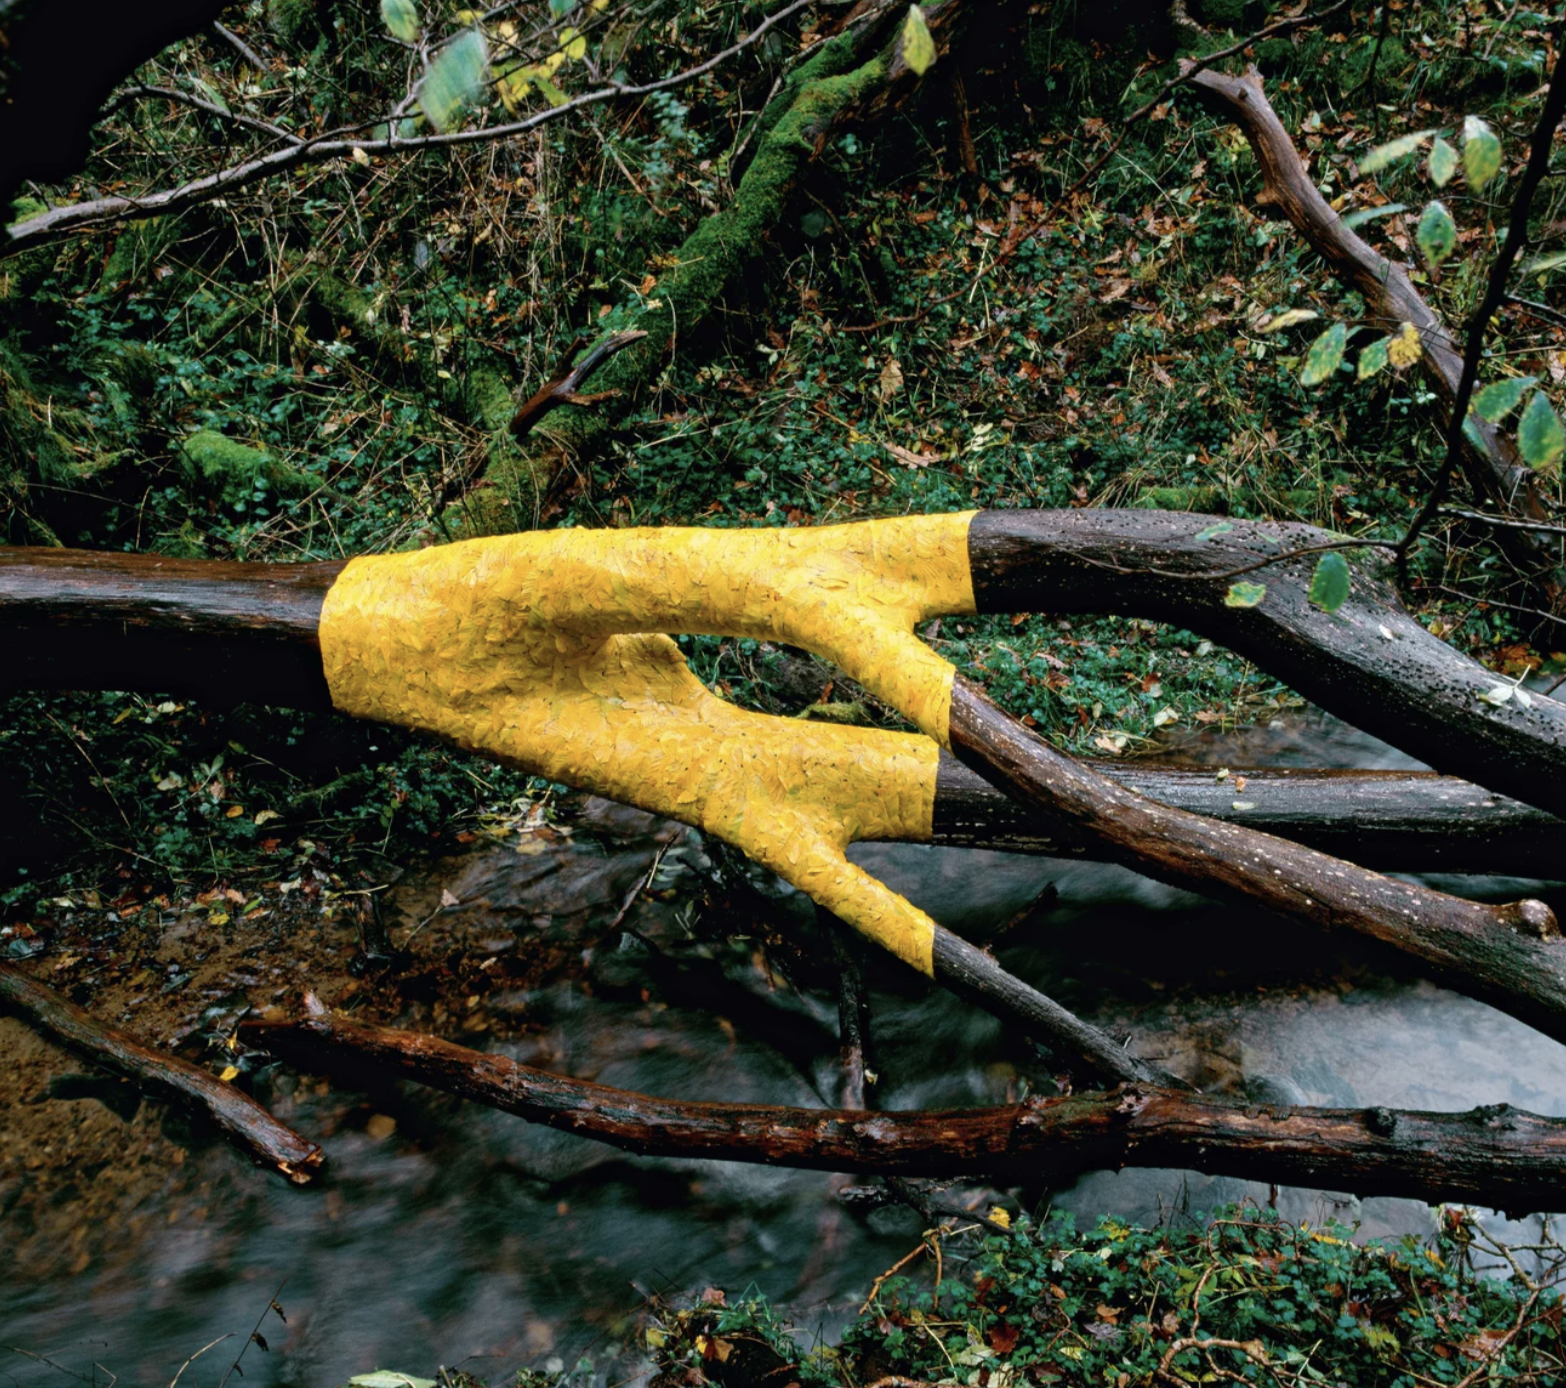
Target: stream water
448, 1234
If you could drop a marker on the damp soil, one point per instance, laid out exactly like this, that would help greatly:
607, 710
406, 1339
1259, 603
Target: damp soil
613, 946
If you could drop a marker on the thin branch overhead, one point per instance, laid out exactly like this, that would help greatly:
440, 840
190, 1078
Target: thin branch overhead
95, 212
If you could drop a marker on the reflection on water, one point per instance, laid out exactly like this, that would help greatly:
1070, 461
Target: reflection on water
448, 1234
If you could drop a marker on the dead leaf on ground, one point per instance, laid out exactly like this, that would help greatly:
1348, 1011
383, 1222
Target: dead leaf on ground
907, 455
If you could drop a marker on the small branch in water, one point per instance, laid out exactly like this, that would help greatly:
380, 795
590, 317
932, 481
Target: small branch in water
242, 1120
1497, 1156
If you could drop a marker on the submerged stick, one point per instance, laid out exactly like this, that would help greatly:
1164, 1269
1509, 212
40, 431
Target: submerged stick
239, 1117
1497, 1156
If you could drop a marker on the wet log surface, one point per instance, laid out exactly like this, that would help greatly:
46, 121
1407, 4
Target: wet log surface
1494, 470
1370, 662
79, 619
1498, 1156
239, 1117
1394, 821
1511, 956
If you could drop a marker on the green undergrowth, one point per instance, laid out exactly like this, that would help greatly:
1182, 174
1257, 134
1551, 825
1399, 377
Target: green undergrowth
1244, 1299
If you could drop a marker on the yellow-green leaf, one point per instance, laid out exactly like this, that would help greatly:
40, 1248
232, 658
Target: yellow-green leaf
455, 78
1500, 398
1373, 359
1442, 163
1392, 151
573, 43
1289, 318
401, 18
1371, 214
1481, 152
918, 45
1545, 262
1329, 584
1325, 355
1244, 594
1540, 438
1437, 234
1404, 347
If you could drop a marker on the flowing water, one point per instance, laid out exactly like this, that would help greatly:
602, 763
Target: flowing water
449, 1234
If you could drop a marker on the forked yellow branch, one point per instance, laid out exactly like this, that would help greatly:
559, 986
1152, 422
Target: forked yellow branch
547, 649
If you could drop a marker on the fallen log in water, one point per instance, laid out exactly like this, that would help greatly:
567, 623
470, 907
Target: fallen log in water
239, 1117
408, 625
1393, 821
1498, 1156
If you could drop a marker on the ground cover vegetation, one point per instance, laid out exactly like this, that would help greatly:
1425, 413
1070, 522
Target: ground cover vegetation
326, 362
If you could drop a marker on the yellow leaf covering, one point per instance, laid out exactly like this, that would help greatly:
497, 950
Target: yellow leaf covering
541, 649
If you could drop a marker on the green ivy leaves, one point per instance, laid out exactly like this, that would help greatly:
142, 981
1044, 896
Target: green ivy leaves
1442, 163
1244, 594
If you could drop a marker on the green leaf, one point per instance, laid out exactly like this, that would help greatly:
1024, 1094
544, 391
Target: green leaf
455, 78
402, 19
1325, 355
390, 1378
918, 46
1371, 214
1545, 262
561, 7
1442, 163
1373, 359
1213, 531
1392, 151
1437, 234
1244, 594
1500, 398
1329, 584
1540, 438
1481, 152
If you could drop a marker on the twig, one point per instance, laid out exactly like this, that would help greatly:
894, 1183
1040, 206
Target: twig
1494, 296
242, 48
254, 1335
242, 1120
1544, 311
1503, 522
75, 216
199, 103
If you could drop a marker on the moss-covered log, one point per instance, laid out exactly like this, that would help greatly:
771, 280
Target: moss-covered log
837, 86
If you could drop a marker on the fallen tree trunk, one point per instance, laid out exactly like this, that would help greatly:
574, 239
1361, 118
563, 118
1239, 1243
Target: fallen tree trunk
1491, 464
1393, 821
1370, 662
239, 1117
1497, 1156
1508, 955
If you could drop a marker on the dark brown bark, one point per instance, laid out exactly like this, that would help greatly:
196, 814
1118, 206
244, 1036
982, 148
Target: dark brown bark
1496, 1156
1494, 471
1394, 821
562, 387
1511, 956
76, 619
1370, 662
239, 1117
